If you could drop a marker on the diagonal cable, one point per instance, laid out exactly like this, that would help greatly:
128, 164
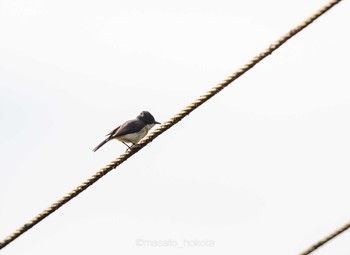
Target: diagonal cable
168, 124
326, 239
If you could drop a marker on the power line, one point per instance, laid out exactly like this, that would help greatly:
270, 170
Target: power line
168, 124
326, 239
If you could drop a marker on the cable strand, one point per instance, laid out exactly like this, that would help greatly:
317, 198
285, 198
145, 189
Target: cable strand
326, 239
166, 125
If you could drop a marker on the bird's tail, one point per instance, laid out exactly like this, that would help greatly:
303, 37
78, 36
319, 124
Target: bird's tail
101, 144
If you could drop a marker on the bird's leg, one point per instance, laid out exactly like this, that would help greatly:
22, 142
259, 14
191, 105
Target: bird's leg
128, 146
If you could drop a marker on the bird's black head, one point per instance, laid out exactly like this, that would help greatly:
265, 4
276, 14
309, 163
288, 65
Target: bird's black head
147, 118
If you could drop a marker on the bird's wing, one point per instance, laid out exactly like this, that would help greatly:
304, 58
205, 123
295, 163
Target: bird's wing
110, 134
131, 126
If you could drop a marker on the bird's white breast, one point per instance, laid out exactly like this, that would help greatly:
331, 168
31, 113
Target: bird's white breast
135, 137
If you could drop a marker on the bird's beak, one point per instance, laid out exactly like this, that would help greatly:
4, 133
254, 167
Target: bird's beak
156, 122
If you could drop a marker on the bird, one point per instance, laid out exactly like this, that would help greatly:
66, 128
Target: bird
132, 131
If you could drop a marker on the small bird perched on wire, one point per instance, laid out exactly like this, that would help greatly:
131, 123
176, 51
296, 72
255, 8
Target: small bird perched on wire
131, 131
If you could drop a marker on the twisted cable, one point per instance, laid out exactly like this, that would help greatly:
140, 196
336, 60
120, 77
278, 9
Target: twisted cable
166, 125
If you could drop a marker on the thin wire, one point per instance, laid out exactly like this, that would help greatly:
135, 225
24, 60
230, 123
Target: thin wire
326, 239
168, 124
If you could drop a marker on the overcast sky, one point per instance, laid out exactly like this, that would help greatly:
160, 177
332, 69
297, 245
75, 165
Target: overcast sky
262, 168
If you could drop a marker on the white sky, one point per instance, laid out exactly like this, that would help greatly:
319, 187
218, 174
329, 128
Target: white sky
263, 168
